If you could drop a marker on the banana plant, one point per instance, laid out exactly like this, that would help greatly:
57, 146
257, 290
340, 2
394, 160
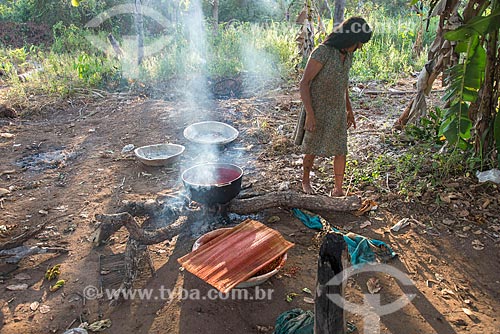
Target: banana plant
464, 83
466, 87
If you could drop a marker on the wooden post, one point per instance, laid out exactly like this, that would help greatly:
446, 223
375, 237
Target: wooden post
328, 316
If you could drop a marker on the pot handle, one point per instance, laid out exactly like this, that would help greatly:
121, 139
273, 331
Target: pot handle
220, 185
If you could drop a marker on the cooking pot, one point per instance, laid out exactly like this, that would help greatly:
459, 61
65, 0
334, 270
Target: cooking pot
212, 183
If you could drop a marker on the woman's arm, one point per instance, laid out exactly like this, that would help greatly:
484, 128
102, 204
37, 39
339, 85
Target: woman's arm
312, 69
348, 107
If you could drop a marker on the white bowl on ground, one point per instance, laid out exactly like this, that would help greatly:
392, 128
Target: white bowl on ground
158, 154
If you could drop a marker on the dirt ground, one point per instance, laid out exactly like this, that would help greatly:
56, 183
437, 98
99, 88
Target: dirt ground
63, 164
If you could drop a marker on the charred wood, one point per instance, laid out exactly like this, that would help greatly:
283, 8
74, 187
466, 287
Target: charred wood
328, 315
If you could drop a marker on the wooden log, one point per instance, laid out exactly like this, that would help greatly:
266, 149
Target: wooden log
287, 199
111, 223
292, 199
141, 236
136, 251
14, 255
329, 316
20, 239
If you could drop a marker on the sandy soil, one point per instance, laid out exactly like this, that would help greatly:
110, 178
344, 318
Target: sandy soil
63, 164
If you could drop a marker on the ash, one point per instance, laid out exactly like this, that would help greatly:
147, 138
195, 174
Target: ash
210, 221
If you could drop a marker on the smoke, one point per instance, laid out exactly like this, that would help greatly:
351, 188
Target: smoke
259, 67
196, 92
269, 7
194, 82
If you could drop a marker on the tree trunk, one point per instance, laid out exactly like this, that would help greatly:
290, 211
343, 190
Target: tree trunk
139, 26
215, 15
328, 315
338, 14
484, 110
115, 45
441, 55
324, 9
291, 199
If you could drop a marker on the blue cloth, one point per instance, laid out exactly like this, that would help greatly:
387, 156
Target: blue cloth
309, 219
296, 321
361, 249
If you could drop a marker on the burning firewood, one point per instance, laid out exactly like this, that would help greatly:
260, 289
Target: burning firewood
174, 220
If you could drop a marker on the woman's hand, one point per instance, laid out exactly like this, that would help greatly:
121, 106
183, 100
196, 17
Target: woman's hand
348, 109
350, 119
310, 124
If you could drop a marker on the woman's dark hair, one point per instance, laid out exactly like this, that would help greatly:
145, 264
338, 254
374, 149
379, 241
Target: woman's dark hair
349, 33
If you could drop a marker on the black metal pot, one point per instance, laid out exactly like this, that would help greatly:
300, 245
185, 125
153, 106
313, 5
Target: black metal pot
212, 183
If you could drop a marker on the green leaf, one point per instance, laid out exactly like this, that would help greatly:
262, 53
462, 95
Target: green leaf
443, 125
485, 24
450, 130
479, 25
456, 109
464, 109
476, 64
465, 127
290, 296
450, 92
462, 144
461, 47
461, 34
75, 3
469, 95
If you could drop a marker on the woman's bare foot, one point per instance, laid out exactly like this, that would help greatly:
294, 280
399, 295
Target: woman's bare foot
337, 193
306, 186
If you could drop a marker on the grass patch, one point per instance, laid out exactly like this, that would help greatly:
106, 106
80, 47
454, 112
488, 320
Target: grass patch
265, 53
413, 162
389, 54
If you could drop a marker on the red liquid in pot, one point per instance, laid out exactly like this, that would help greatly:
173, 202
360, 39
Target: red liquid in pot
212, 176
225, 175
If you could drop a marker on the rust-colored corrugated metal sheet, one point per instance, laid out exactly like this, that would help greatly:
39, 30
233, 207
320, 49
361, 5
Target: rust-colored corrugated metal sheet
236, 255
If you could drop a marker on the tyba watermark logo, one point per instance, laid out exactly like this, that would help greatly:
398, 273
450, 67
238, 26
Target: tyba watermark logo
371, 310
130, 45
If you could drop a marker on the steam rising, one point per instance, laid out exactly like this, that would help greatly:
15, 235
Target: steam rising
259, 71
259, 68
196, 91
